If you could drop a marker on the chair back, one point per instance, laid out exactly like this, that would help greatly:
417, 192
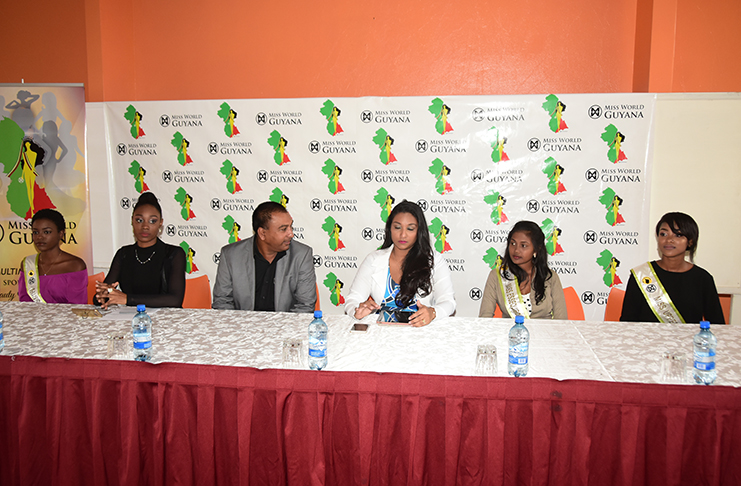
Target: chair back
725, 303
497, 312
317, 306
614, 306
91, 279
197, 293
574, 308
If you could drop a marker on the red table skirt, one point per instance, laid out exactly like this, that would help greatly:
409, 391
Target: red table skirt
78, 422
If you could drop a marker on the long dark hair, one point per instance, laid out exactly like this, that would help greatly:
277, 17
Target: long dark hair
417, 267
540, 260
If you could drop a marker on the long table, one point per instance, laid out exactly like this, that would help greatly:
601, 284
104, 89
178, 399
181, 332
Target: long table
397, 405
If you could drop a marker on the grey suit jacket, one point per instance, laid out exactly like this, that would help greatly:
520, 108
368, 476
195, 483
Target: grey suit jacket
295, 281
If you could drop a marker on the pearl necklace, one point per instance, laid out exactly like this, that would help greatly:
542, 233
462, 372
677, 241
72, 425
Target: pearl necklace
136, 254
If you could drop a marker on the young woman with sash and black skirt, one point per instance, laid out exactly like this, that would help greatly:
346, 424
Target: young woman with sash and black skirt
523, 285
673, 289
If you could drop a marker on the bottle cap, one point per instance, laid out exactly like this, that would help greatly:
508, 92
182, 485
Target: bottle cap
519, 320
141, 308
317, 314
704, 325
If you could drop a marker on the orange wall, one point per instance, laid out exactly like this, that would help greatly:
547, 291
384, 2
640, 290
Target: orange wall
43, 44
144, 50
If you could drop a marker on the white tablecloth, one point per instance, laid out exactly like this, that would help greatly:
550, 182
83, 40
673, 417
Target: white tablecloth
608, 351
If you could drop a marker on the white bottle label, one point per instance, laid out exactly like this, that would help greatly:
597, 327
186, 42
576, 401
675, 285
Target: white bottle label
518, 354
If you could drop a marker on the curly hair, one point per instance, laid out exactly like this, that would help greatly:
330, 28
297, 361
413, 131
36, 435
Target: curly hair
417, 267
52, 215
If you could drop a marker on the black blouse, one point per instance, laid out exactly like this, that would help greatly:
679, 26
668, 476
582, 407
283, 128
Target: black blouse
693, 293
153, 276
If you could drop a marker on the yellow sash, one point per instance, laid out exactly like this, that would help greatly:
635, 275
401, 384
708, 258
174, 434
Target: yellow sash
656, 296
33, 279
512, 296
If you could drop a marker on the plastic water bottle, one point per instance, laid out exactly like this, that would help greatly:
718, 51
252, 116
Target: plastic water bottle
2, 338
317, 342
519, 342
705, 343
141, 326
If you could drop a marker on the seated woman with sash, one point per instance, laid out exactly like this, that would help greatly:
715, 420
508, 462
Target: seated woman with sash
150, 271
405, 276
672, 289
523, 285
51, 275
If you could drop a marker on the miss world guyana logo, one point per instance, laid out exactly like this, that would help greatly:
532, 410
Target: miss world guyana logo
181, 144
441, 173
386, 201
134, 118
230, 172
138, 172
493, 259
190, 266
497, 142
331, 113
551, 232
19, 159
228, 116
334, 285
384, 142
440, 232
232, 227
497, 202
609, 264
279, 145
441, 112
614, 140
184, 199
553, 170
611, 201
333, 172
279, 197
333, 230
555, 108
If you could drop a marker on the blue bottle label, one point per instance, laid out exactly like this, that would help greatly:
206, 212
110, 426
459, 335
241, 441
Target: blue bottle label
699, 365
143, 345
317, 353
518, 360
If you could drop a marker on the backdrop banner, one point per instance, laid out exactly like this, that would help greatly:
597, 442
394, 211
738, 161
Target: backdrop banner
42, 160
577, 165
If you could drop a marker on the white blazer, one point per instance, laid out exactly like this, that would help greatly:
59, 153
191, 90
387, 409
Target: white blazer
371, 281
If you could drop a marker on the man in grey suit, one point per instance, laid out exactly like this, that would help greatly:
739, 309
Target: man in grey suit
269, 271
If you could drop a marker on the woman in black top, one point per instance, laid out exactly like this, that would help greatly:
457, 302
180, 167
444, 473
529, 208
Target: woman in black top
691, 289
149, 272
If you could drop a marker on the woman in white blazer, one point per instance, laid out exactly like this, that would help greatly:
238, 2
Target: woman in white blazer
405, 275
